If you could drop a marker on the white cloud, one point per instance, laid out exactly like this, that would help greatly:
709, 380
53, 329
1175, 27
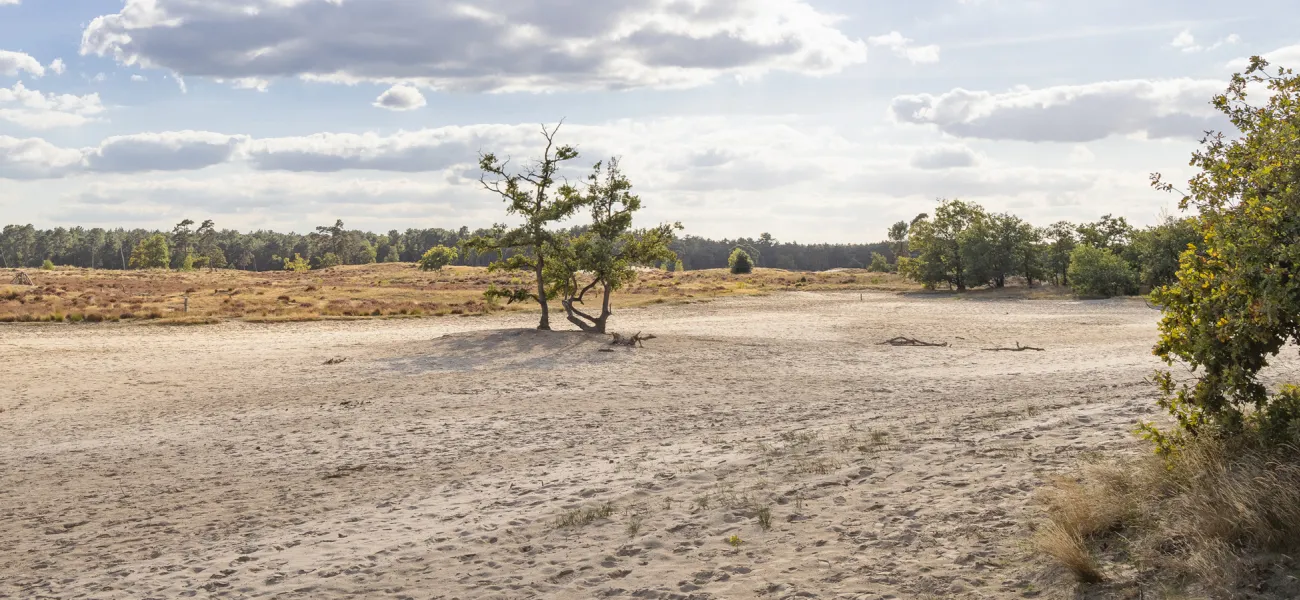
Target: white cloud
494, 45
944, 157
1186, 42
401, 98
1286, 56
57, 67
12, 2
1072, 113
12, 63
905, 48
34, 110
138, 78
34, 158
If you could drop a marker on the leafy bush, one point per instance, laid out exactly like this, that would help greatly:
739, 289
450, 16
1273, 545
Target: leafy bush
48, 265
438, 257
297, 265
151, 253
1097, 272
879, 264
740, 262
327, 260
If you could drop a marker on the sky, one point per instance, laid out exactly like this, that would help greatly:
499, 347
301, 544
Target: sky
812, 120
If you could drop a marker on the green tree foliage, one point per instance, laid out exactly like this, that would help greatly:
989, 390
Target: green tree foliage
438, 257
1059, 241
606, 255
1236, 302
740, 262
297, 264
1155, 251
151, 253
1098, 272
879, 264
998, 246
48, 265
1108, 233
937, 244
897, 240
328, 260
182, 245
531, 195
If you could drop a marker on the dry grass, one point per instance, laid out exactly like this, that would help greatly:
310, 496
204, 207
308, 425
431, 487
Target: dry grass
367, 291
1213, 521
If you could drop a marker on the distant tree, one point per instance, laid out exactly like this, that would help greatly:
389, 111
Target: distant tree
898, 239
879, 264
1059, 241
937, 244
1099, 272
182, 243
740, 263
48, 265
438, 257
529, 194
604, 257
1108, 233
996, 247
151, 253
328, 260
297, 264
1155, 251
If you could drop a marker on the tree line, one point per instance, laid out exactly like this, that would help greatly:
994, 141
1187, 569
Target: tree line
963, 246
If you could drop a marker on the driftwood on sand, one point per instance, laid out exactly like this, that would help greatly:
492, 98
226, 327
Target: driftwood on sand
1018, 348
906, 341
635, 340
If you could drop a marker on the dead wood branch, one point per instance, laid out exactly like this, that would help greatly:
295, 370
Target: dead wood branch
22, 279
634, 341
906, 341
336, 361
1018, 348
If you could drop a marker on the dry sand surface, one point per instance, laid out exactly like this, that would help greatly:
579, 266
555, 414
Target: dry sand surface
437, 460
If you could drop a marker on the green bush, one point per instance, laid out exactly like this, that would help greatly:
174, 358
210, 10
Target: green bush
1097, 272
879, 264
297, 265
48, 265
327, 260
438, 257
740, 262
151, 253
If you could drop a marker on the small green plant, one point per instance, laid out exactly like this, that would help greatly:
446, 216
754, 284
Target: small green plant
740, 262
297, 264
735, 541
438, 257
48, 265
764, 514
634, 526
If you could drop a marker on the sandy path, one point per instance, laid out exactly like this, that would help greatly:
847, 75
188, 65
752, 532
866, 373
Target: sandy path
228, 461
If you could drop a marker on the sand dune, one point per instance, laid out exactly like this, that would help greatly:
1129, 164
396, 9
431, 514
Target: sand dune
440, 458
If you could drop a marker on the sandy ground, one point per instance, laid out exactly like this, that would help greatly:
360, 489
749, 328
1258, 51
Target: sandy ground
436, 461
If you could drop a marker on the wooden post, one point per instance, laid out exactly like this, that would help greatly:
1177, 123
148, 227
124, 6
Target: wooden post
187, 305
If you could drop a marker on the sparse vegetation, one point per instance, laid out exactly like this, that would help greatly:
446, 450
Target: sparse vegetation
582, 517
740, 262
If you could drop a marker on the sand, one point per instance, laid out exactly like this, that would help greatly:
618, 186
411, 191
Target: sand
436, 461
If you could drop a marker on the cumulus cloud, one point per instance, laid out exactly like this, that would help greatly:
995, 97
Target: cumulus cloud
35, 110
494, 45
12, 2
57, 66
169, 151
401, 97
1286, 56
1074, 113
34, 158
13, 63
944, 157
905, 48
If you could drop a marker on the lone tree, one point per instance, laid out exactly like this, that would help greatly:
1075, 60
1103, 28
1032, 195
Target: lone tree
605, 256
151, 253
531, 194
938, 244
740, 262
1237, 303
438, 257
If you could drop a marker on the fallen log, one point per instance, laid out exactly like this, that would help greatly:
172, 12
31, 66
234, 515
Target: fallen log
906, 341
634, 341
1018, 348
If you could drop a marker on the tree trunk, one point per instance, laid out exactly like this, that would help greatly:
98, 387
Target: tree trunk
545, 324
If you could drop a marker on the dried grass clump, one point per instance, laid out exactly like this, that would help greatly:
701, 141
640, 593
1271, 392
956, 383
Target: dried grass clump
1215, 520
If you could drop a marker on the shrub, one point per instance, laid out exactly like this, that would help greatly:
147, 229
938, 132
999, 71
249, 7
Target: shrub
740, 262
1097, 272
48, 265
328, 260
878, 263
297, 265
438, 257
